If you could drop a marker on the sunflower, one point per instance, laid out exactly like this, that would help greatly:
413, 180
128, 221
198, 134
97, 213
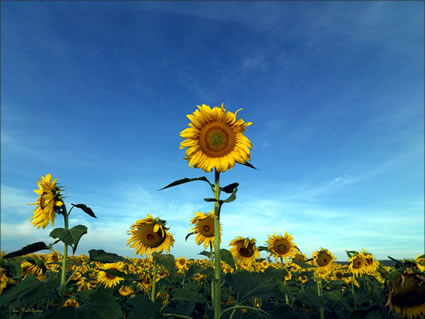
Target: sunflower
358, 265
204, 228
420, 262
150, 235
407, 294
181, 263
28, 268
370, 262
109, 280
244, 250
215, 139
71, 303
303, 279
281, 246
50, 198
125, 291
324, 260
3, 279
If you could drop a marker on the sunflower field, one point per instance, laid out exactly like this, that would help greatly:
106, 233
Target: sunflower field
228, 283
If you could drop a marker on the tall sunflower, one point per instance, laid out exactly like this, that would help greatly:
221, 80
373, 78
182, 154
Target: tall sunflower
215, 139
204, 228
324, 260
150, 235
244, 250
50, 198
371, 263
281, 246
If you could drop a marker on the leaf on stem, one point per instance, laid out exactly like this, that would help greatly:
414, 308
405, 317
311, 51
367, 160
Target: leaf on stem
86, 209
187, 180
229, 188
27, 250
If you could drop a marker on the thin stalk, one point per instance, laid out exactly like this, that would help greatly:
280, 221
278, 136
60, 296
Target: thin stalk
217, 287
284, 281
65, 255
352, 291
319, 293
155, 270
212, 266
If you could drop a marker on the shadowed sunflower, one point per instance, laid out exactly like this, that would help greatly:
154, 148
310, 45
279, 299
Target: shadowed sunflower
281, 246
215, 139
244, 250
150, 235
204, 228
50, 198
370, 262
420, 261
109, 280
324, 260
357, 265
407, 293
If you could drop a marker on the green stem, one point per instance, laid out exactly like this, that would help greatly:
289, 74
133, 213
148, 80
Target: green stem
284, 281
155, 270
212, 265
175, 315
352, 291
319, 293
65, 255
217, 287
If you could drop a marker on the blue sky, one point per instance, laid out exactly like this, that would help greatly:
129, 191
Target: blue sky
96, 93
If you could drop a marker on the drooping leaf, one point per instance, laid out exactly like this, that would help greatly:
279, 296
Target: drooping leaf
205, 253
77, 232
86, 209
250, 165
63, 234
104, 257
231, 198
29, 249
351, 253
167, 261
227, 257
188, 235
188, 295
187, 180
210, 199
229, 188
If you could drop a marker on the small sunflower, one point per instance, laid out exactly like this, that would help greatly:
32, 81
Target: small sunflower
181, 263
108, 280
215, 139
150, 235
125, 291
324, 260
357, 265
71, 303
50, 198
303, 279
204, 228
281, 246
244, 250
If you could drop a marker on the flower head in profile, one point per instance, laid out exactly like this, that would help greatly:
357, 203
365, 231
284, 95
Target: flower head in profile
215, 139
244, 250
108, 279
150, 235
50, 198
204, 228
281, 246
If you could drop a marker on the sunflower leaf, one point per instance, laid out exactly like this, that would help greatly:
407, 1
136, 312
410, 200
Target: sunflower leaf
86, 209
351, 253
231, 198
210, 199
263, 248
64, 235
250, 165
187, 180
104, 257
77, 232
188, 235
167, 261
302, 264
229, 188
188, 295
227, 257
205, 253
29, 249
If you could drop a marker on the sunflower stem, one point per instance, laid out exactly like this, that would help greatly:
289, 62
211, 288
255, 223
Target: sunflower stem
352, 291
212, 266
217, 287
319, 293
65, 255
155, 270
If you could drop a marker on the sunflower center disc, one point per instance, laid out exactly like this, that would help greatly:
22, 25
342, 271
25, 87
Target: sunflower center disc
206, 227
149, 237
246, 252
323, 260
217, 139
44, 200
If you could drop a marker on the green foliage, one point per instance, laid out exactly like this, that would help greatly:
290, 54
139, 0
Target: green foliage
70, 237
85, 209
29, 249
187, 180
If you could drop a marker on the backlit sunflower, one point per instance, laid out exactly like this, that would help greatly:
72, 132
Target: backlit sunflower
370, 262
244, 250
215, 139
50, 198
324, 260
420, 261
204, 228
150, 235
281, 246
357, 265
109, 280
407, 293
